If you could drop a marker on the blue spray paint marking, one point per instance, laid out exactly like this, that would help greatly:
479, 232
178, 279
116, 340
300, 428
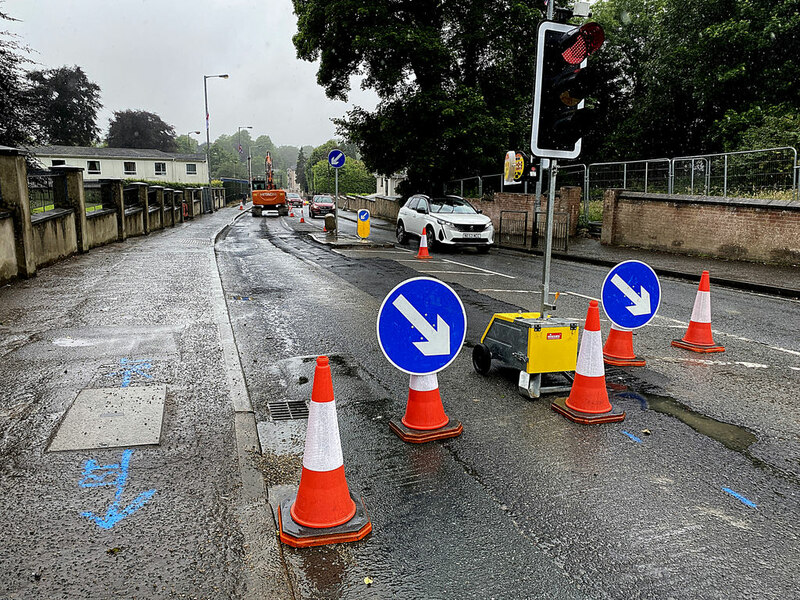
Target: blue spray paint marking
633, 437
633, 396
115, 475
131, 368
739, 497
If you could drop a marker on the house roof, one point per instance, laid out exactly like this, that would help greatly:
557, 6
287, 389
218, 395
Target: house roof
89, 152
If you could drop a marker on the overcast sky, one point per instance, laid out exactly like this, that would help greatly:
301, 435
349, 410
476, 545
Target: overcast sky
152, 55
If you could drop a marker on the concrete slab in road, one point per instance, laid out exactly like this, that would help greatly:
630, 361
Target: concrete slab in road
112, 418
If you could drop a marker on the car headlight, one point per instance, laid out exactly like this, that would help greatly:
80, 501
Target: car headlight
487, 226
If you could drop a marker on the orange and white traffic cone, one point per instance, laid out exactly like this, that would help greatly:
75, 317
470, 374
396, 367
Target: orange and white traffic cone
241, 204
618, 350
423, 246
291, 212
425, 419
698, 337
323, 511
302, 220
588, 399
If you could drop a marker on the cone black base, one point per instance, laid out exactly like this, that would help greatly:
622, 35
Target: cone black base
613, 416
697, 347
624, 362
298, 536
419, 436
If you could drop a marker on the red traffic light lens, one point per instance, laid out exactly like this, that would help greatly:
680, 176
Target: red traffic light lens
583, 43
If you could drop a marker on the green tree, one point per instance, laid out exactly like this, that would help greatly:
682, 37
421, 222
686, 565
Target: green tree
354, 178
17, 123
454, 80
186, 144
300, 176
66, 106
140, 129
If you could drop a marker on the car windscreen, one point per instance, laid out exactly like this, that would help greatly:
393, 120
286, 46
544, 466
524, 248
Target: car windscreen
451, 205
323, 199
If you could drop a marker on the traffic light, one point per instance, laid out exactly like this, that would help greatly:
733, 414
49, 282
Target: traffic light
559, 118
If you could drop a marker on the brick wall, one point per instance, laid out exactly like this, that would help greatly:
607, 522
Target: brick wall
568, 199
731, 228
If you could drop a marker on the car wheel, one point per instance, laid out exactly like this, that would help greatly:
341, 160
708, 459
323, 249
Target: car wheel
482, 359
402, 237
431, 235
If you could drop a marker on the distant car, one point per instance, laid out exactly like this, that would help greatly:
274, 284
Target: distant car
294, 199
450, 221
320, 205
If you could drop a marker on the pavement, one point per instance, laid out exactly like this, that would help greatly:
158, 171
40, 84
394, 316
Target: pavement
751, 276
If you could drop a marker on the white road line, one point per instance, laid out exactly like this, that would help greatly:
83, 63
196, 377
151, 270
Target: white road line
582, 296
479, 269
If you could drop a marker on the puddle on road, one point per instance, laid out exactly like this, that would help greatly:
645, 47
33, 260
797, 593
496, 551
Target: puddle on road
733, 437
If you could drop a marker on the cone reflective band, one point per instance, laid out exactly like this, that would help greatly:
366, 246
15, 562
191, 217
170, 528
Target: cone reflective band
588, 399
423, 245
698, 336
323, 511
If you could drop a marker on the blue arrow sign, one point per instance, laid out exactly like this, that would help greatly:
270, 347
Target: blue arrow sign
363, 215
631, 294
421, 326
336, 158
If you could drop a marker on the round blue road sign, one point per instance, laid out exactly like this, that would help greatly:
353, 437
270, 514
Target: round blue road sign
336, 159
421, 326
631, 294
363, 215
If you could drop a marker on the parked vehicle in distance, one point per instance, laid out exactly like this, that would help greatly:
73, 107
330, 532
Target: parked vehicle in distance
320, 205
294, 199
450, 221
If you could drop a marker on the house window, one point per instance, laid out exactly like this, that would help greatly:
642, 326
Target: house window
191, 169
93, 166
129, 168
161, 168
57, 162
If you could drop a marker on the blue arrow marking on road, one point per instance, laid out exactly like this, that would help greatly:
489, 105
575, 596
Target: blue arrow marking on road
421, 326
113, 475
631, 294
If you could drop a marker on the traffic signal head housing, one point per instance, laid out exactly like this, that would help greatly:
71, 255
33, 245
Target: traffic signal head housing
559, 118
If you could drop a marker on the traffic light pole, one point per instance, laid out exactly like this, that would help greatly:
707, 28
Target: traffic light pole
548, 248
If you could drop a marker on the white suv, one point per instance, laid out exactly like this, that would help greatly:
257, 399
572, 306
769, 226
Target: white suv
451, 221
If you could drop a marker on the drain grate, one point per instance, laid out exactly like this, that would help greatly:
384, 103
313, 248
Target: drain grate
286, 411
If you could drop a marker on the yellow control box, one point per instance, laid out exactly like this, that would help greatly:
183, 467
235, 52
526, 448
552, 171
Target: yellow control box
531, 343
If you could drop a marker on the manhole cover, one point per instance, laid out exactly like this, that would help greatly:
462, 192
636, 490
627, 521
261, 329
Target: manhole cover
285, 411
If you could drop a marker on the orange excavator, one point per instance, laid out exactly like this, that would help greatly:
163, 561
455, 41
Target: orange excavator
266, 196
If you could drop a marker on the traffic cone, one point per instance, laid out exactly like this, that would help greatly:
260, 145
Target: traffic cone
323, 511
302, 220
618, 350
241, 204
291, 212
698, 336
425, 419
588, 399
423, 246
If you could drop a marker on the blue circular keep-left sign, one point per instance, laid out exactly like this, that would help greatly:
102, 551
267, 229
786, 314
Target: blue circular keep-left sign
363, 215
336, 159
421, 326
631, 294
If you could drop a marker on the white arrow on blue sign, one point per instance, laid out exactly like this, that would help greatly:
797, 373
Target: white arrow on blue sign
336, 158
363, 215
421, 326
631, 294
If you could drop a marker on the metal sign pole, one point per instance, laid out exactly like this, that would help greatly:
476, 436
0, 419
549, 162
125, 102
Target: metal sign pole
336, 203
548, 249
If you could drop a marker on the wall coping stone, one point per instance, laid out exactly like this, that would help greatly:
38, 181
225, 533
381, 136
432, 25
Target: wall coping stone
133, 210
5, 215
102, 211
56, 213
686, 199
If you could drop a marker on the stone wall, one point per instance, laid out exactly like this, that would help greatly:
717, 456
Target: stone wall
8, 253
730, 228
54, 236
377, 207
102, 227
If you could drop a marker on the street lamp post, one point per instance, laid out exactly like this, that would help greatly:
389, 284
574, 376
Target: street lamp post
189, 138
239, 149
208, 137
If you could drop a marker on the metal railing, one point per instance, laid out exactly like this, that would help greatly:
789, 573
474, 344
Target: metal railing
97, 196
513, 229
41, 190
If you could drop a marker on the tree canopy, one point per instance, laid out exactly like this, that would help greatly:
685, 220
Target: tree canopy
17, 123
65, 103
453, 78
140, 129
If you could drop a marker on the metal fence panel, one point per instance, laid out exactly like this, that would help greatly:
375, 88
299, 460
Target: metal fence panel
41, 195
513, 229
560, 231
